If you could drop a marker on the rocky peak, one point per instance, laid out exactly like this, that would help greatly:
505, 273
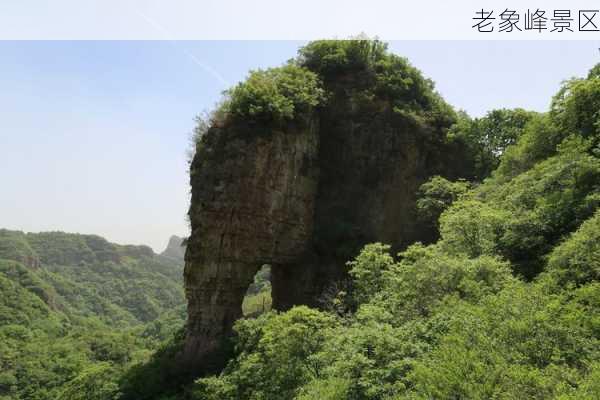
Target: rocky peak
303, 188
175, 249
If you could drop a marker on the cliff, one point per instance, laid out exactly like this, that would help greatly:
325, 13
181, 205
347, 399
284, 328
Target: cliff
300, 167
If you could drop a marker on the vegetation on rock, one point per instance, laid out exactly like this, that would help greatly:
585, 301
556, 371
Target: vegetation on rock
274, 95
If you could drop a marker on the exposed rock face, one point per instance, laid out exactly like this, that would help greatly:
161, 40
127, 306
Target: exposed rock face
252, 204
304, 198
303, 201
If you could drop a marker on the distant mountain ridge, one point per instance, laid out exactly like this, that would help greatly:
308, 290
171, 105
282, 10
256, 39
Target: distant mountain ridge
57, 247
88, 275
175, 249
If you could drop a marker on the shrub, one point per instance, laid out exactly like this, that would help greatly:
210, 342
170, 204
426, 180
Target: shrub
274, 357
435, 196
472, 227
276, 94
577, 260
329, 57
367, 270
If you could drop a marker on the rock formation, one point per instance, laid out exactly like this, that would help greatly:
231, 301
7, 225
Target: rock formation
304, 194
175, 249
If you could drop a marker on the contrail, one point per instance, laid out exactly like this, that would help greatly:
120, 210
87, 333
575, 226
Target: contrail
192, 57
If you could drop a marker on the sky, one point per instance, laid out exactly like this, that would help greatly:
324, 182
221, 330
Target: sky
95, 135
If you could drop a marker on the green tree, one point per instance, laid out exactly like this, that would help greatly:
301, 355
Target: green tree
97, 382
435, 196
577, 260
488, 137
274, 357
275, 95
367, 270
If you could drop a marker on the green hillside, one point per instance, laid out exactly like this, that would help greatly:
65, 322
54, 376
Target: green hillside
76, 307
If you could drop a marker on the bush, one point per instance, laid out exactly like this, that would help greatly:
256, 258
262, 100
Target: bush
275, 95
435, 196
425, 276
367, 270
330, 57
577, 260
472, 227
274, 357
522, 343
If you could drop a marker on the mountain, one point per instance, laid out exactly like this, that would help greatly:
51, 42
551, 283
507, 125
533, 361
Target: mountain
303, 165
72, 303
175, 249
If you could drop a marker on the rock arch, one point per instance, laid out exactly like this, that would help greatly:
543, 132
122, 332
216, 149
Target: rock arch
253, 203
304, 195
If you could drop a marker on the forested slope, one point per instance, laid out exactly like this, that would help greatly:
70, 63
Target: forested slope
76, 309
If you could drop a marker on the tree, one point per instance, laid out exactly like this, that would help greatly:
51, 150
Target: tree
490, 136
577, 260
367, 270
435, 196
275, 95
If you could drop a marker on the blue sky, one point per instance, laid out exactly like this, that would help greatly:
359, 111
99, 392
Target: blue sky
94, 135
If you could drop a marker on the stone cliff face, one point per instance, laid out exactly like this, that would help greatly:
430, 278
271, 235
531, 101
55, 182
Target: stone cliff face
252, 204
304, 198
303, 201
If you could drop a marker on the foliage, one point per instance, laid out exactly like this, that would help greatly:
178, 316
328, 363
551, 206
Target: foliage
97, 382
276, 94
273, 357
472, 227
333, 57
490, 136
545, 203
521, 343
501, 128
377, 76
69, 331
575, 107
367, 270
576, 260
524, 217
14, 246
573, 113
435, 326
538, 141
326, 389
425, 276
155, 376
435, 196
